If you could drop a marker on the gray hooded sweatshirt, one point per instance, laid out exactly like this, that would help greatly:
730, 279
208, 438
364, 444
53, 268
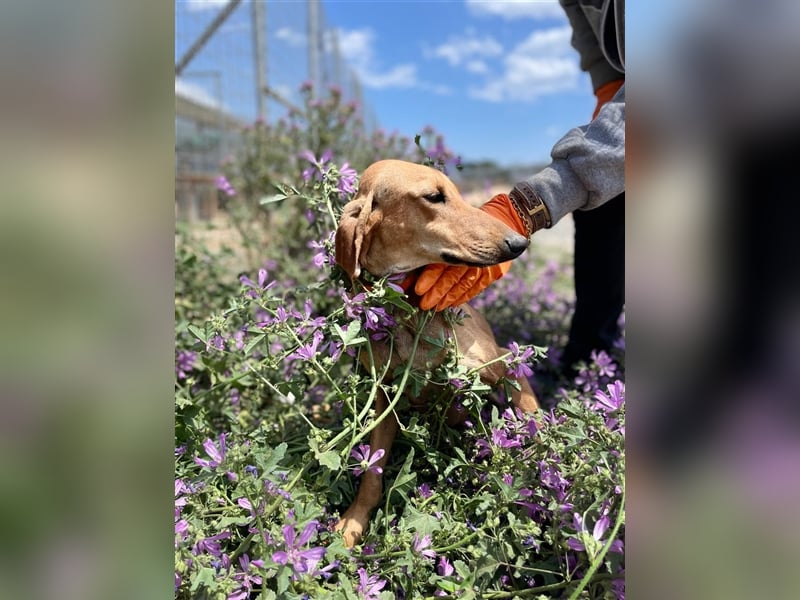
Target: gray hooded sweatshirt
588, 163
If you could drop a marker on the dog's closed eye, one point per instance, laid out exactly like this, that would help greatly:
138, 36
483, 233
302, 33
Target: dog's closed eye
436, 197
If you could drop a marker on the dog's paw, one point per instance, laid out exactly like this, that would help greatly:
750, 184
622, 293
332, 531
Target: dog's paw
352, 526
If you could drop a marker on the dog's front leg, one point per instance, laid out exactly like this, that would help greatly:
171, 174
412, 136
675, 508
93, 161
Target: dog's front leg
524, 399
355, 519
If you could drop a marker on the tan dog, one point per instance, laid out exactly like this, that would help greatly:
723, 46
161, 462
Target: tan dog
405, 216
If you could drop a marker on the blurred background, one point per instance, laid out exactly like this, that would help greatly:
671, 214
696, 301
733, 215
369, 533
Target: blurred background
88, 158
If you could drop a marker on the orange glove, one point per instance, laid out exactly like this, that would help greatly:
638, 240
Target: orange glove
605, 93
441, 286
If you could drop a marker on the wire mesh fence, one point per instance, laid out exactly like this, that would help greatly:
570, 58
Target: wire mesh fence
238, 61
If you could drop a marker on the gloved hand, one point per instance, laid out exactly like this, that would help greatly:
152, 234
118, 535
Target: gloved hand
441, 286
605, 93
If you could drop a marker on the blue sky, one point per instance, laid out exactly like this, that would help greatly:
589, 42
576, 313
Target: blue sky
499, 79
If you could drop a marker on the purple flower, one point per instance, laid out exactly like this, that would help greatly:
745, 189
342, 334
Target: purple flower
425, 491
307, 351
245, 503
444, 567
224, 185
618, 587
501, 439
599, 371
216, 454
354, 306
516, 365
245, 579
302, 561
321, 256
377, 319
422, 545
217, 342
369, 586
274, 490
256, 287
318, 168
181, 530
184, 363
211, 545
307, 321
605, 364
613, 400
552, 479
367, 459
531, 507
599, 530
347, 180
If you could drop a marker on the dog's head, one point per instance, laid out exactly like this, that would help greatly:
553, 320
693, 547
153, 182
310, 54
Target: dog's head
406, 215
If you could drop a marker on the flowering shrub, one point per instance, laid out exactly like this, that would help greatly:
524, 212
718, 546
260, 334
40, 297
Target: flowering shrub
273, 414
298, 146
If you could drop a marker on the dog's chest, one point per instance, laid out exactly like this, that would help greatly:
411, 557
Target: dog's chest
471, 340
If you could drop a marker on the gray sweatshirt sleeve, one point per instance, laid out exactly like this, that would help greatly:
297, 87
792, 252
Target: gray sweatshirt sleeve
590, 19
588, 163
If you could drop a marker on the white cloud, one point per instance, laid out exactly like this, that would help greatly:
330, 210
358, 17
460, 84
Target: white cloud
284, 90
543, 63
402, 76
477, 66
357, 49
197, 94
548, 42
356, 45
436, 88
293, 38
198, 5
520, 9
458, 49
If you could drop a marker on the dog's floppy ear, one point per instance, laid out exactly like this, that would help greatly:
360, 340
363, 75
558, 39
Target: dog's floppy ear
351, 233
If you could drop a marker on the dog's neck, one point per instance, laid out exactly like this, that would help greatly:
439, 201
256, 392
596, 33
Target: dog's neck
407, 283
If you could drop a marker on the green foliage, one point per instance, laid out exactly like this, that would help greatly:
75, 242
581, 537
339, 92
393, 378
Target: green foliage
271, 403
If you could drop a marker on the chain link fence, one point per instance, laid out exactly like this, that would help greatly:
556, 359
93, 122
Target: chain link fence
238, 61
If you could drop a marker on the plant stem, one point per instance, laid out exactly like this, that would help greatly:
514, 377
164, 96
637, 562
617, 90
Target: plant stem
598, 560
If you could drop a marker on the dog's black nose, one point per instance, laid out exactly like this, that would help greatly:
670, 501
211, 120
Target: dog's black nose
516, 244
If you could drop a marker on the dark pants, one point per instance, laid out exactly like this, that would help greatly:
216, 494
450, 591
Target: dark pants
599, 280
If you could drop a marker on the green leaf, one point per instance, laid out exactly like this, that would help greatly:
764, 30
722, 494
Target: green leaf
251, 344
223, 522
199, 333
182, 402
350, 337
330, 459
272, 457
400, 302
462, 569
271, 199
283, 579
405, 479
571, 409
205, 577
420, 522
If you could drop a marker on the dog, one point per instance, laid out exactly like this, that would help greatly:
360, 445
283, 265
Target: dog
405, 216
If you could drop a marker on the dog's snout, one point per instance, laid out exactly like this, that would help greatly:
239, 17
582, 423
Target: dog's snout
516, 244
